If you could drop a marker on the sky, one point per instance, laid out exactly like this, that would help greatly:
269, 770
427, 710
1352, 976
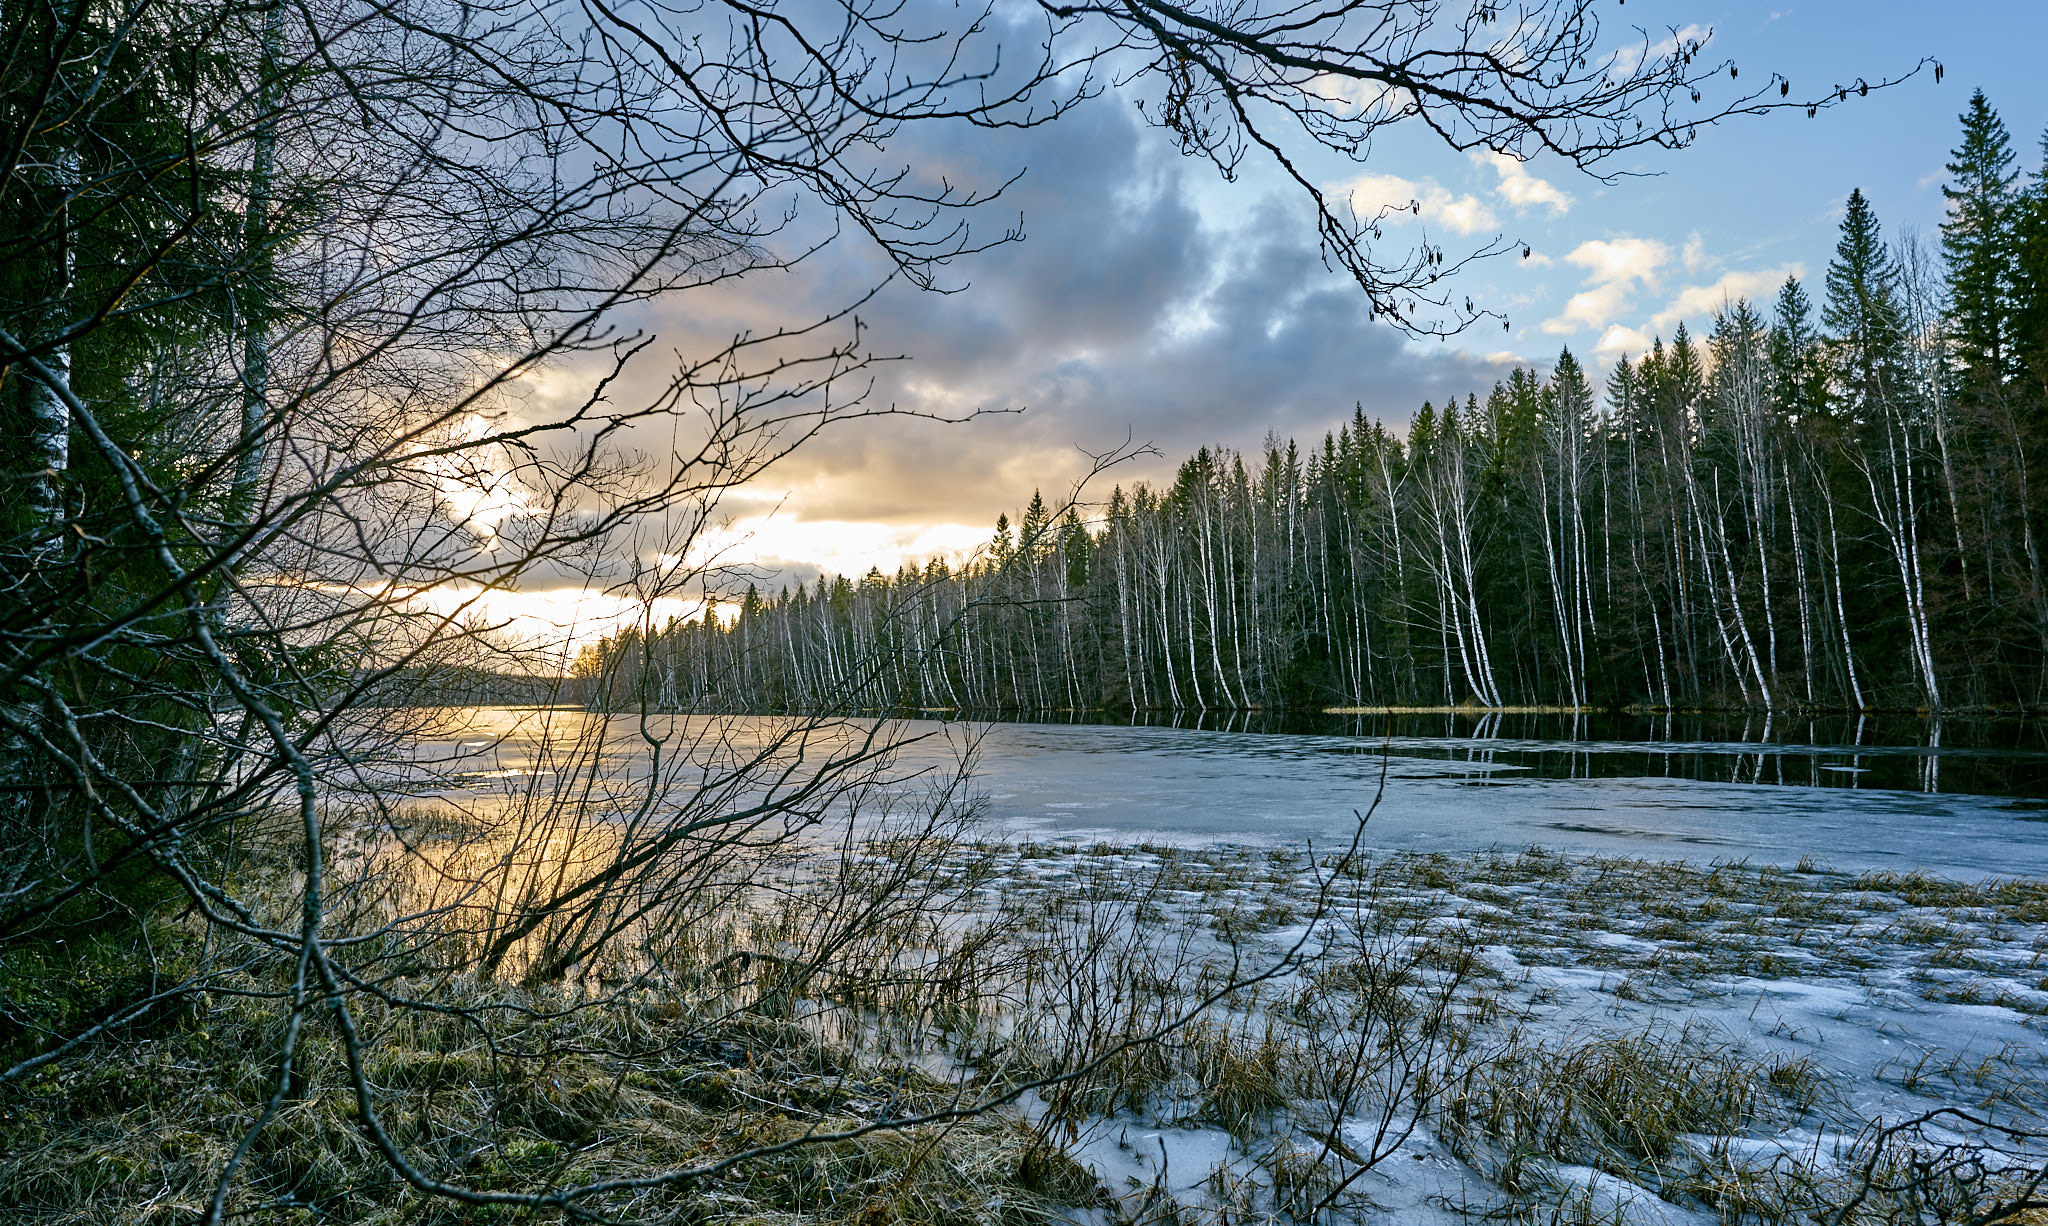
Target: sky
1150, 303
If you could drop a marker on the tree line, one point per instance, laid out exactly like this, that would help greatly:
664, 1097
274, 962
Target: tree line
1807, 507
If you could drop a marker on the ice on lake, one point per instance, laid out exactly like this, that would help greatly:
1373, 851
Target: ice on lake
1700, 799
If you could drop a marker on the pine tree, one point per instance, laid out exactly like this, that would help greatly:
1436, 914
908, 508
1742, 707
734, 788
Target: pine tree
1866, 332
1976, 244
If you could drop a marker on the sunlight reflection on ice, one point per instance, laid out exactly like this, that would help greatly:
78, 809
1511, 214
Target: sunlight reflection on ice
1125, 784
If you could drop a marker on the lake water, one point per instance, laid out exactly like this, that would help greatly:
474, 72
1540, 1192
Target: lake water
1962, 799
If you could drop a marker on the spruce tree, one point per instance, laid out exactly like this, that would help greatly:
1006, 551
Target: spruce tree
1076, 549
1002, 547
2030, 281
1976, 245
1422, 431
1866, 332
1797, 384
1681, 383
1572, 396
1033, 534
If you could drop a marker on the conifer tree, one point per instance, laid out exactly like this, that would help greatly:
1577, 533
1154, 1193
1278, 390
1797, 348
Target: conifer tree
1685, 373
1032, 532
1864, 323
1796, 379
1976, 245
1573, 396
1001, 547
2030, 280
1624, 397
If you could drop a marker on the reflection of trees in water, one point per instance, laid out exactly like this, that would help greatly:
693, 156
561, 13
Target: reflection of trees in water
1991, 756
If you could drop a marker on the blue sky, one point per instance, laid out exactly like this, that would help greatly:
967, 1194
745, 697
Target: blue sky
1153, 301
1758, 197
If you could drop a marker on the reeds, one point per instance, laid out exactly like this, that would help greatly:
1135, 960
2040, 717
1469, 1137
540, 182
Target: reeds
1337, 1016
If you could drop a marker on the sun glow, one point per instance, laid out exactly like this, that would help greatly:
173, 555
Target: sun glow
556, 623
768, 551
797, 547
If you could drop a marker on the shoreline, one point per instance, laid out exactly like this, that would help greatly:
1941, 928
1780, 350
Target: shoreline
1026, 714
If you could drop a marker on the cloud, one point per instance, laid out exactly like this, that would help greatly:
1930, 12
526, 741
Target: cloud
551, 621
1362, 96
473, 487
1520, 188
1620, 261
804, 548
1694, 256
1397, 198
1696, 305
1127, 314
1613, 269
1588, 309
1619, 340
1628, 59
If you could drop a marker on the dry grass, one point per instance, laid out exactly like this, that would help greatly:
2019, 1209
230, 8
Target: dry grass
1618, 1103
574, 1093
913, 974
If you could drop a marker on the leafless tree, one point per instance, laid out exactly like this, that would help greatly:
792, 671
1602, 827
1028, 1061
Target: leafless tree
291, 293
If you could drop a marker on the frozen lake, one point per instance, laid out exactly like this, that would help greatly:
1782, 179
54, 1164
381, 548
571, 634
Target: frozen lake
1458, 794
1451, 785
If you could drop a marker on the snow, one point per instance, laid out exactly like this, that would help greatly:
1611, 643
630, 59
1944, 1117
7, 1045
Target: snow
1866, 1002
1661, 902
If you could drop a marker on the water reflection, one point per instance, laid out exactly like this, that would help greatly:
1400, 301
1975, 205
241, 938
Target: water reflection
1964, 797
1988, 756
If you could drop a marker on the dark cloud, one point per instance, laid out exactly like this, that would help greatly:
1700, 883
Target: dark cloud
1123, 311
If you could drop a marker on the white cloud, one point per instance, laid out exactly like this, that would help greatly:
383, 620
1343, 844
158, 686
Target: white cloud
1695, 254
1362, 96
1696, 304
558, 620
1465, 214
1628, 59
1620, 261
1520, 188
1589, 309
472, 488
1399, 199
1371, 193
1613, 268
1619, 340
844, 547
1692, 33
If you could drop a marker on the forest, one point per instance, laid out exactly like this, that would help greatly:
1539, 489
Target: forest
1826, 505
